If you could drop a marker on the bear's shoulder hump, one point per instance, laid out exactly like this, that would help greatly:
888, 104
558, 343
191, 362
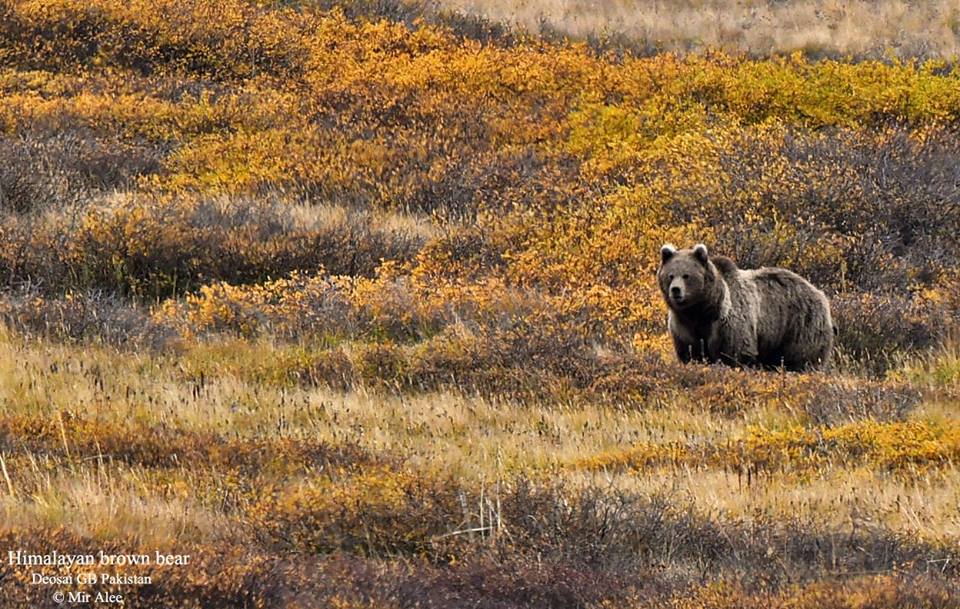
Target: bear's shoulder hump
724, 264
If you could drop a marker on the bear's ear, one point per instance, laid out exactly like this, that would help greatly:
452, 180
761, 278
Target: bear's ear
700, 251
667, 252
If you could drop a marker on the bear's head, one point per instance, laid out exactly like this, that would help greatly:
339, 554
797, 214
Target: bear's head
687, 279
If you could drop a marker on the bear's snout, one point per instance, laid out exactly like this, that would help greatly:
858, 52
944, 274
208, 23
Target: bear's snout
676, 291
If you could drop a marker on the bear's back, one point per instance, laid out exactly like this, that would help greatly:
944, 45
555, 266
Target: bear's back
779, 278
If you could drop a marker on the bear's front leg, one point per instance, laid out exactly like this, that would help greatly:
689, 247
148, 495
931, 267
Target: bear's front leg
685, 351
692, 352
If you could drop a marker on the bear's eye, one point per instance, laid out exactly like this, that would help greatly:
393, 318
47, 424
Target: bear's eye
670, 277
686, 276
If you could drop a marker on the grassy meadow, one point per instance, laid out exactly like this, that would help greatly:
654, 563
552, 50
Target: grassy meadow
355, 304
859, 28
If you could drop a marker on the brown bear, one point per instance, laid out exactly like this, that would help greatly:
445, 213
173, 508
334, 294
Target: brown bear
768, 317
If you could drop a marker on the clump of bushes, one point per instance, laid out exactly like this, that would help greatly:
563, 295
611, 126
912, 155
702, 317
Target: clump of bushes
150, 247
40, 172
390, 512
77, 435
875, 329
153, 37
92, 317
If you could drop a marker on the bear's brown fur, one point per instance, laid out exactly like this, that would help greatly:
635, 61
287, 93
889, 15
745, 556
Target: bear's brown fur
769, 317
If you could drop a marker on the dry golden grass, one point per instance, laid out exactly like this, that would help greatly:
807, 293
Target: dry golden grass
762, 27
73, 391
